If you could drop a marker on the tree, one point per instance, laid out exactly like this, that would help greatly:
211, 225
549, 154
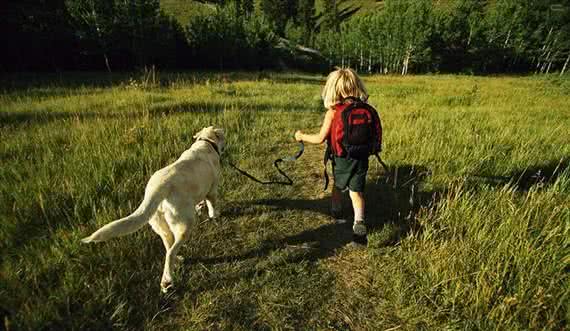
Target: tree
132, 33
36, 36
226, 39
95, 22
457, 35
391, 40
525, 34
137, 22
279, 12
333, 14
328, 18
549, 37
246, 6
306, 20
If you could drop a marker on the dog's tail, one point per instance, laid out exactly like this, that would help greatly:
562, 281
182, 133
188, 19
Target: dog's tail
131, 223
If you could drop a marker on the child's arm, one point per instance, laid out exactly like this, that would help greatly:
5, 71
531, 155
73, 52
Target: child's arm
320, 137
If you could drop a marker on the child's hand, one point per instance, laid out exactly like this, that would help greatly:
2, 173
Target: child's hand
298, 135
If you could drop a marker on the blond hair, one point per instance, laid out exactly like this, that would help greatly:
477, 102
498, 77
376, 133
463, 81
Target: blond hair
341, 84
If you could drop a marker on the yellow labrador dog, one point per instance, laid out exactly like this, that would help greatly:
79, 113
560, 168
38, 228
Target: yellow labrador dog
171, 196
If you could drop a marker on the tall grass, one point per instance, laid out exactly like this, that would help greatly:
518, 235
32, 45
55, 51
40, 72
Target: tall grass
469, 230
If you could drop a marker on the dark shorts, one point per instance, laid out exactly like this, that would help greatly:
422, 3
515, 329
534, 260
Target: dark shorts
350, 173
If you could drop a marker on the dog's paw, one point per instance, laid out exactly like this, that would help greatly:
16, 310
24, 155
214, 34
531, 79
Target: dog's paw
213, 215
166, 287
201, 205
201, 208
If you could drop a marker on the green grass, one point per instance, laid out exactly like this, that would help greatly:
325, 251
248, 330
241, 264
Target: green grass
485, 244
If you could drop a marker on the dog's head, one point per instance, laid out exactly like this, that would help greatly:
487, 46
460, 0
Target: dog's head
213, 135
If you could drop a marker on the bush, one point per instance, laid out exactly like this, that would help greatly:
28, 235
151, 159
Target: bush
230, 39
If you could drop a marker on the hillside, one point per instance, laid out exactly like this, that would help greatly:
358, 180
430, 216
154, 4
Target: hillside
184, 9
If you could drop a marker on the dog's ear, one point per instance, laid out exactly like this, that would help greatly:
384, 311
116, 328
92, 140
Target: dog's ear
219, 132
197, 135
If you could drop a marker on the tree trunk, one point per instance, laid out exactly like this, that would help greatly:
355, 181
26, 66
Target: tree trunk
407, 60
507, 39
565, 64
107, 62
369, 61
361, 59
552, 59
545, 63
543, 52
553, 52
342, 57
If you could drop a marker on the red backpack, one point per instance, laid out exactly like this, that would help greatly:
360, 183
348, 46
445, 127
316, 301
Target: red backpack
356, 132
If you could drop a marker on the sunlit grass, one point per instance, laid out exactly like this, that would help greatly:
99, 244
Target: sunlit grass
481, 243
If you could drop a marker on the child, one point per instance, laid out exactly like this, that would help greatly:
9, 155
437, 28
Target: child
341, 85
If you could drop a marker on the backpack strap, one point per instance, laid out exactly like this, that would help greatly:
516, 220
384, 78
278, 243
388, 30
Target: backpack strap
377, 123
352, 99
382, 163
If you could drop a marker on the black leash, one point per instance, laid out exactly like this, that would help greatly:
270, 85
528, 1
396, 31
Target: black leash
276, 165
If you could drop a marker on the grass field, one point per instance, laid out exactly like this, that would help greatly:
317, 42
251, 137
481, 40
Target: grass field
470, 229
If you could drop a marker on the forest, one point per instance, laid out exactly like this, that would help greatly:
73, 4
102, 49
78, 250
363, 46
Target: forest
392, 36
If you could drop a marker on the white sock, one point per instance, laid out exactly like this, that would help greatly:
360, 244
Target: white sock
358, 215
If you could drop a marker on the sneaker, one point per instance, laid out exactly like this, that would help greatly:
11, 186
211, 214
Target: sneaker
359, 228
359, 233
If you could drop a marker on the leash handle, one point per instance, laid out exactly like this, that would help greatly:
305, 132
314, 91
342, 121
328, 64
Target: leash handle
296, 156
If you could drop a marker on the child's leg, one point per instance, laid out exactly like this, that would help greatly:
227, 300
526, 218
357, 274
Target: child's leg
358, 205
358, 228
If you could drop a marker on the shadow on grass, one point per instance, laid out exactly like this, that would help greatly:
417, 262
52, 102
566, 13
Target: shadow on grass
73, 81
260, 278
16, 119
392, 201
298, 79
540, 175
25, 82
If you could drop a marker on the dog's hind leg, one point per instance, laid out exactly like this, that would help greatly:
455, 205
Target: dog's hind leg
159, 225
180, 222
212, 202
